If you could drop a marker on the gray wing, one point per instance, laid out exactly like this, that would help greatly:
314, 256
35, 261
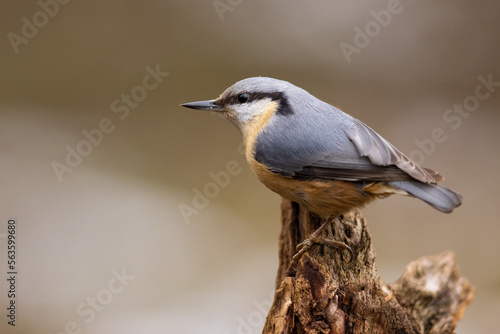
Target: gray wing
334, 146
382, 153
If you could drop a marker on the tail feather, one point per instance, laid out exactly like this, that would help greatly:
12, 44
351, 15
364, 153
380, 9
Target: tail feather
441, 198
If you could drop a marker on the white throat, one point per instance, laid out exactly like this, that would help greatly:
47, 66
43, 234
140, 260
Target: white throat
249, 111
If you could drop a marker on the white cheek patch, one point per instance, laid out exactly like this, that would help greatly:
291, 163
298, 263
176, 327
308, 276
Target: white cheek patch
245, 112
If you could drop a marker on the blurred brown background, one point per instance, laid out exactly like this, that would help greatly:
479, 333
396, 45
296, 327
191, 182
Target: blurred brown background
118, 212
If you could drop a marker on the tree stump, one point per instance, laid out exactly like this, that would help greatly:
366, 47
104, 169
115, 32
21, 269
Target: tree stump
328, 294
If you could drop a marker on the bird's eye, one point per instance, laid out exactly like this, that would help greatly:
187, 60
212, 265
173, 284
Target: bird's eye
243, 97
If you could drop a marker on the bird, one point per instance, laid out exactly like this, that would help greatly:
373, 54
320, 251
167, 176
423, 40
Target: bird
312, 153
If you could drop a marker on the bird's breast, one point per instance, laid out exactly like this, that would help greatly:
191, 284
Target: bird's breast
323, 197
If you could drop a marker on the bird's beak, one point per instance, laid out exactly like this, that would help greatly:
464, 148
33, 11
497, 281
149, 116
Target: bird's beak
211, 105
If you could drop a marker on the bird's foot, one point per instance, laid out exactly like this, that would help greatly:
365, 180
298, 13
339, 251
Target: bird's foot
316, 238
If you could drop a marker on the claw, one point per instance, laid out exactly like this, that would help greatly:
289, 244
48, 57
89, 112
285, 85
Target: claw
341, 245
314, 238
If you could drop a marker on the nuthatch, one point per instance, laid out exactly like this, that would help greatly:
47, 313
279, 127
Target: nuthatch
314, 154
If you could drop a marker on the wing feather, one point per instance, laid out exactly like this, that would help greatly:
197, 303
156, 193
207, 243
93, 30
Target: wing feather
352, 152
382, 153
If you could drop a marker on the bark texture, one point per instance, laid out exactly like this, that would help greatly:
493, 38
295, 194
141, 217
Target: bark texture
326, 293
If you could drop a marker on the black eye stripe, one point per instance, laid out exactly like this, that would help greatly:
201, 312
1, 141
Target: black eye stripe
284, 108
234, 99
